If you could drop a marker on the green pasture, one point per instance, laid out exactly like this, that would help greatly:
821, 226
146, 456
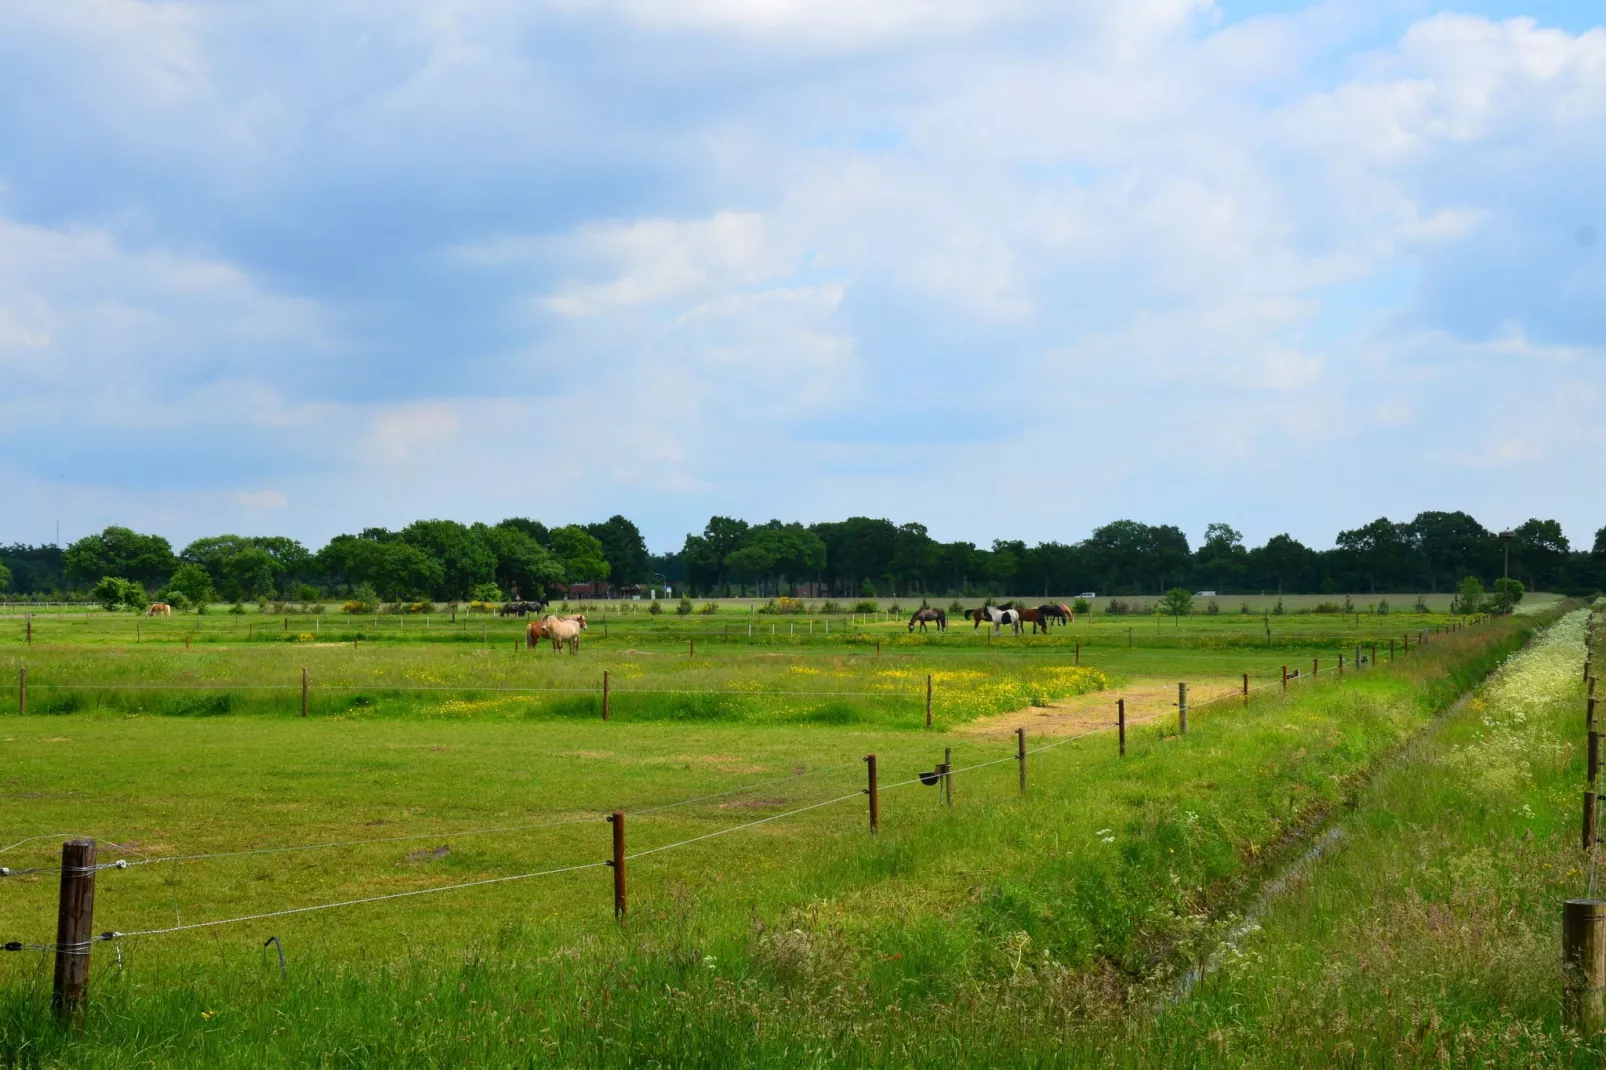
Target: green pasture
1002, 929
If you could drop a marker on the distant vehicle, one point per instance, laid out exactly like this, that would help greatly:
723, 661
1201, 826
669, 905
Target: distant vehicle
1205, 594
1087, 594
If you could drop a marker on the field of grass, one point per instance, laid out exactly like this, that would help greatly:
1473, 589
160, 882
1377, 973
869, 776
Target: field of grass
1003, 928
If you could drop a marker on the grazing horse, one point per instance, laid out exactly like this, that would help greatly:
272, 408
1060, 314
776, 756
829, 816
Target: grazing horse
520, 608
1036, 617
1056, 613
997, 617
563, 630
922, 616
159, 609
1065, 614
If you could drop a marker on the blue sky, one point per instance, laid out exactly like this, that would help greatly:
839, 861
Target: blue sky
1009, 268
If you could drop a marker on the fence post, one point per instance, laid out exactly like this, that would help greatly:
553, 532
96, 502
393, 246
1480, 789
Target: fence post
928, 700
1020, 756
1374, 655
948, 774
75, 920
1120, 723
1285, 679
1315, 666
617, 819
1078, 653
1594, 757
1341, 664
1590, 800
30, 639
1589, 715
1182, 708
22, 692
878, 648
870, 790
303, 690
1583, 964
604, 694
1246, 689
186, 642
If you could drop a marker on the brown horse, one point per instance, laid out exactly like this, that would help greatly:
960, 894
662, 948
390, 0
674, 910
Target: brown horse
928, 614
1035, 617
159, 609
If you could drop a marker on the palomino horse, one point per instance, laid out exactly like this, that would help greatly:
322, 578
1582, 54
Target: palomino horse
563, 630
159, 609
922, 616
997, 617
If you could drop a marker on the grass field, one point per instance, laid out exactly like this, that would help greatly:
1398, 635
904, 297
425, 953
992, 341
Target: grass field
799, 939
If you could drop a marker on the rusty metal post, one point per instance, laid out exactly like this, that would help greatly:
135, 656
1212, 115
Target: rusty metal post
870, 790
1020, 756
75, 921
617, 819
1583, 964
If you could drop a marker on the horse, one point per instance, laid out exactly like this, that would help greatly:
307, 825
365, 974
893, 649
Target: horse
563, 630
535, 630
159, 609
1036, 617
928, 614
997, 617
520, 608
1065, 613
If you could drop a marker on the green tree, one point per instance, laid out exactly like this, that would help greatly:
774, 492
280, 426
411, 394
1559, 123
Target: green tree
464, 559
194, 583
624, 549
1178, 602
581, 554
5, 578
1507, 593
1382, 553
399, 570
119, 551
524, 567
1469, 596
486, 592
115, 593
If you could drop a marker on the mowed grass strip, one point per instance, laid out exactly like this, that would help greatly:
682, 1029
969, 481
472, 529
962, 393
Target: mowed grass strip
1003, 928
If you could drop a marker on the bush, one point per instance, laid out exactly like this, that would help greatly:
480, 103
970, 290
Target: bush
1211, 608
306, 592
1278, 609
782, 604
866, 589
684, 606
828, 606
1326, 607
1383, 607
1244, 609
1421, 605
708, 609
194, 583
1117, 608
656, 608
238, 609
486, 592
895, 609
866, 607
1469, 597
1082, 607
116, 593
175, 599
955, 609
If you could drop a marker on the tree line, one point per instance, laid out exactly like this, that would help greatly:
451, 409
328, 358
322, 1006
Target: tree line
444, 560
1432, 552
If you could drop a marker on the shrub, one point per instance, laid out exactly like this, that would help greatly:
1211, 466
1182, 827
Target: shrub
306, 592
116, 593
895, 609
1421, 605
1178, 602
1244, 609
866, 589
175, 599
1326, 607
1081, 607
782, 604
1383, 607
1211, 608
1278, 609
866, 607
1117, 608
684, 606
708, 609
955, 609
656, 608
194, 583
492, 607
486, 592
1507, 593
238, 609
828, 606
1349, 604
1469, 597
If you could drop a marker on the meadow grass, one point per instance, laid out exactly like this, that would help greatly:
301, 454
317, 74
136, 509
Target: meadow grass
1001, 930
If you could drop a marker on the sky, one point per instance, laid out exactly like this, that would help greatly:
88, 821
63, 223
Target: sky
1009, 268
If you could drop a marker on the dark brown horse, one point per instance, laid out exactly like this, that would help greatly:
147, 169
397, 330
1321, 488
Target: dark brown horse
922, 616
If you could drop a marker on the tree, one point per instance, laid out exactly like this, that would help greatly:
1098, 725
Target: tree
114, 593
400, 570
119, 551
194, 583
581, 554
465, 561
624, 549
1222, 563
1508, 592
1286, 564
5, 578
1469, 596
533, 528
1539, 552
524, 567
1453, 544
1381, 553
1178, 602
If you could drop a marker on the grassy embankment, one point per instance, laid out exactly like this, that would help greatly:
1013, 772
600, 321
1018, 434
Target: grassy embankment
1006, 929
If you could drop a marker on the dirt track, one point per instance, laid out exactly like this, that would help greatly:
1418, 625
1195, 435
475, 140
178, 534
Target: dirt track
1147, 698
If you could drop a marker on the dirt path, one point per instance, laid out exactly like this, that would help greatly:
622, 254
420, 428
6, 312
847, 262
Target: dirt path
1147, 698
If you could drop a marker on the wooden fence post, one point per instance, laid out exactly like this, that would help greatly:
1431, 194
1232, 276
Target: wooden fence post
1246, 689
928, 700
617, 819
604, 694
1182, 708
1285, 679
870, 790
1120, 724
22, 691
948, 774
303, 690
1078, 652
1315, 666
1020, 756
75, 921
30, 639
691, 647
186, 642
1341, 664
1589, 715
1590, 801
1594, 757
1583, 964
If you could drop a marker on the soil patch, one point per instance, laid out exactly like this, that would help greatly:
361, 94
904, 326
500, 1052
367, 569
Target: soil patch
1148, 698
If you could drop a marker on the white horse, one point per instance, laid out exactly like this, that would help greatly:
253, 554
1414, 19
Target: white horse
999, 617
159, 609
563, 630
